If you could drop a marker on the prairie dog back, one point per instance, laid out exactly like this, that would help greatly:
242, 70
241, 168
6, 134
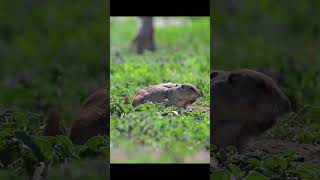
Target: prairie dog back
92, 118
172, 94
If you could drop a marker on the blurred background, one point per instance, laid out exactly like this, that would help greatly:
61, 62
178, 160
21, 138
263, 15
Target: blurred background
52, 54
280, 38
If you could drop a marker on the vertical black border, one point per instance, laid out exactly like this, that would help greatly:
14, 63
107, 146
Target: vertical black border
108, 78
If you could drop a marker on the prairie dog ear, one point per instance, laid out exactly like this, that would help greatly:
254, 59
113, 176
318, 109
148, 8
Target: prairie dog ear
183, 86
187, 86
214, 74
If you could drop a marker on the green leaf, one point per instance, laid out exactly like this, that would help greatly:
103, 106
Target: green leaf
67, 143
231, 148
235, 170
4, 135
305, 174
21, 119
96, 142
288, 153
105, 151
282, 162
313, 113
50, 139
213, 147
220, 175
255, 176
253, 161
269, 162
45, 147
28, 141
5, 174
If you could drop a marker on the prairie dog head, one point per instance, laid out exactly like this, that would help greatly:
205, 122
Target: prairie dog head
186, 92
245, 104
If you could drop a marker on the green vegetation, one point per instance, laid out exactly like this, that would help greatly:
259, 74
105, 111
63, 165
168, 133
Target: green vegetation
260, 165
152, 133
282, 37
52, 54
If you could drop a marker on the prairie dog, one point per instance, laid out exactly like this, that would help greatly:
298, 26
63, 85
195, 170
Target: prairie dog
92, 118
90, 121
179, 95
245, 104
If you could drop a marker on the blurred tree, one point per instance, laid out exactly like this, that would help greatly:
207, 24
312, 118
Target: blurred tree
145, 38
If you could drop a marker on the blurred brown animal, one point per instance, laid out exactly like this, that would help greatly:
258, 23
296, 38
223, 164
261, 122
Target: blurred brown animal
90, 121
245, 104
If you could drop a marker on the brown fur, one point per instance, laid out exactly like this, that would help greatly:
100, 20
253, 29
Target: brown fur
245, 104
90, 121
53, 120
179, 95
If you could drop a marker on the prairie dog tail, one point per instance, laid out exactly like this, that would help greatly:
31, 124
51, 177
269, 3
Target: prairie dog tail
52, 122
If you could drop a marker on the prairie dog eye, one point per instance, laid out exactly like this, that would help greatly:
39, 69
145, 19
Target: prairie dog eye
213, 74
